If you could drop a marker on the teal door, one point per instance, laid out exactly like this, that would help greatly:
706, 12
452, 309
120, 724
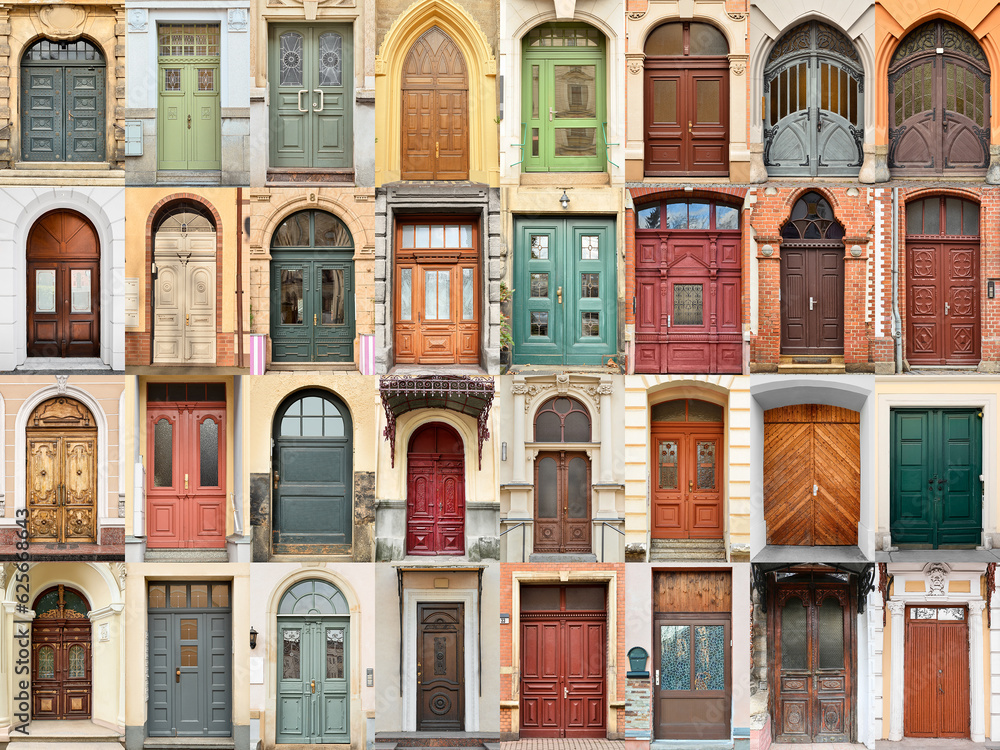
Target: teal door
565, 306
311, 72
936, 490
313, 701
63, 101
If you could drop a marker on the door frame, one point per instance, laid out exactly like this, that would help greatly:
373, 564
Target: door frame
907, 621
693, 430
434, 422
89, 647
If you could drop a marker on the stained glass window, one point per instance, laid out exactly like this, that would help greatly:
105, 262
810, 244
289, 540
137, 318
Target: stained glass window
163, 454
540, 285
706, 465
330, 63
290, 57
206, 79
539, 323
291, 652
709, 657
590, 244
668, 464
189, 40
675, 657
539, 247
591, 323
208, 439
590, 285
77, 663
334, 654
171, 79
46, 663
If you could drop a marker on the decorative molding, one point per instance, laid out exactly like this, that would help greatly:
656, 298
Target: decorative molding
61, 383
738, 17
896, 608
238, 19
738, 64
62, 22
937, 579
138, 19
636, 15
635, 67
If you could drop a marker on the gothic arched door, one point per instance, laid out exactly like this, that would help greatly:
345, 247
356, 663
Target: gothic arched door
60, 664
435, 492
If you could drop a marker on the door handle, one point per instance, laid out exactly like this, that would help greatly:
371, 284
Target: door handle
941, 483
552, 113
690, 485
314, 318
300, 100
668, 321
931, 481
189, 122
275, 479
437, 149
565, 692
177, 675
312, 685
559, 295
819, 123
689, 126
321, 105
947, 307
815, 489
811, 303
187, 319
185, 481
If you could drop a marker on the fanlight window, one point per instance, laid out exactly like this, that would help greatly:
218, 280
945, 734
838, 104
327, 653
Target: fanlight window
46, 49
686, 38
562, 420
186, 218
812, 219
313, 597
312, 416
61, 603
687, 410
942, 216
312, 228
675, 214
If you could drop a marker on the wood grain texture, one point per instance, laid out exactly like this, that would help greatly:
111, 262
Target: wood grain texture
936, 699
692, 591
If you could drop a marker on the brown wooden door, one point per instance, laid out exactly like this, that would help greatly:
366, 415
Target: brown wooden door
687, 489
435, 110
936, 671
63, 285
61, 659
812, 475
813, 659
440, 667
812, 300
563, 661
435, 492
562, 502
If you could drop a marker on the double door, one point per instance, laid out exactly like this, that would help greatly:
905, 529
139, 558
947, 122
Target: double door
313, 681
936, 666
312, 307
942, 315
936, 490
687, 494
63, 105
440, 667
435, 504
562, 502
184, 299
61, 671
189, 122
437, 320
812, 299
61, 482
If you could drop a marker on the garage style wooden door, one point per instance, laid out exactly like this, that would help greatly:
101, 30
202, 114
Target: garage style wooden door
440, 667
812, 475
435, 492
61, 662
942, 282
563, 661
936, 672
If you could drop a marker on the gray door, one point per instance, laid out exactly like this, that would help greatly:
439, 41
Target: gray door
190, 660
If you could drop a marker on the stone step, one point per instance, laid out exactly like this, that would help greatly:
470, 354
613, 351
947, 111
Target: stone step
61, 176
77, 743
421, 740
691, 745
188, 743
687, 549
541, 557
183, 177
186, 555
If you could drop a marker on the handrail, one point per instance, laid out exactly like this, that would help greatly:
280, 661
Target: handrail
604, 132
523, 540
524, 135
613, 528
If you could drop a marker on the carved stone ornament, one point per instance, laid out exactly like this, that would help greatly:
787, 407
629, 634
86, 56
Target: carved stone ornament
62, 21
61, 383
736, 16
738, 67
238, 19
635, 67
636, 15
937, 579
896, 608
138, 19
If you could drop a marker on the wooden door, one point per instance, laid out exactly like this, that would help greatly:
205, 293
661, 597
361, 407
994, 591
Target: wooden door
61, 658
184, 298
812, 475
813, 658
935, 485
435, 110
440, 667
936, 666
562, 502
692, 661
190, 660
435, 492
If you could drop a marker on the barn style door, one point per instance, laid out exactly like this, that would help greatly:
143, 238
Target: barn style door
186, 478
312, 102
936, 488
435, 130
64, 301
189, 122
440, 667
435, 492
190, 660
813, 654
939, 103
813, 104
686, 100
942, 282
687, 287
563, 661
812, 475
61, 660
63, 97
936, 702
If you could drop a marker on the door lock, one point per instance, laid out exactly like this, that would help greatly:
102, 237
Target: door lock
947, 307
189, 122
559, 295
811, 303
177, 675
312, 685
437, 149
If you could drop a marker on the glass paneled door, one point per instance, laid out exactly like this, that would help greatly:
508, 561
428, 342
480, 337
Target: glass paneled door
311, 75
61, 666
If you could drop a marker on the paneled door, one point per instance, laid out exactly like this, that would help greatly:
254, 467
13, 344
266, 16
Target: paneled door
565, 291
440, 667
563, 661
435, 131
935, 481
562, 502
61, 659
812, 475
190, 660
188, 121
186, 470
813, 655
435, 492
936, 701
61, 475
64, 300
63, 101
942, 282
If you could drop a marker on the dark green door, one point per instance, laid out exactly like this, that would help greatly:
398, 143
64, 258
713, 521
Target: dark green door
936, 490
63, 100
565, 291
311, 74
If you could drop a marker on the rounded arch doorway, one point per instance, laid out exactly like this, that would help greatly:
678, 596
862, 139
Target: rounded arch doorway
435, 491
61, 659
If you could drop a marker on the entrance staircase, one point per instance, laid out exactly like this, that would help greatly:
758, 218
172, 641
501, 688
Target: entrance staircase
811, 365
38, 173
687, 549
66, 734
424, 740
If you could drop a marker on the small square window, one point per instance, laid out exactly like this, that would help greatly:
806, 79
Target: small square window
539, 285
591, 249
590, 286
591, 324
539, 324
539, 247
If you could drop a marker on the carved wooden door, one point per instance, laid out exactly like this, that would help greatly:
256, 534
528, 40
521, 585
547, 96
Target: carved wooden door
435, 492
440, 667
562, 502
61, 659
936, 701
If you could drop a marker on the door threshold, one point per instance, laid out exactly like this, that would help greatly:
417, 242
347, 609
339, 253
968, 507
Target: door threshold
189, 555
287, 176
562, 557
189, 742
59, 364
791, 553
691, 745
188, 177
312, 366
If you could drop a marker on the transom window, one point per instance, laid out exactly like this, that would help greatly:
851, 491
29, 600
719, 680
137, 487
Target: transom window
189, 40
436, 236
552, 35
199, 392
313, 597
675, 214
312, 416
687, 410
186, 218
312, 228
61, 603
189, 595
812, 219
562, 420
942, 216
46, 49
686, 38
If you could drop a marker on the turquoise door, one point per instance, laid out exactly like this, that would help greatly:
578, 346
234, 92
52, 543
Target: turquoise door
565, 307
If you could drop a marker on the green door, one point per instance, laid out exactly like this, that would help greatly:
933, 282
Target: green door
565, 306
563, 107
936, 490
311, 74
189, 123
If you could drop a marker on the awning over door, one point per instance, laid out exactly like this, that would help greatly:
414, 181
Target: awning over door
864, 576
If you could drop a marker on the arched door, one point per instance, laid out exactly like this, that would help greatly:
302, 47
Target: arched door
184, 254
435, 110
942, 282
63, 102
61, 473
314, 665
313, 479
814, 104
64, 299
939, 103
435, 492
812, 280
686, 100
61, 659
312, 289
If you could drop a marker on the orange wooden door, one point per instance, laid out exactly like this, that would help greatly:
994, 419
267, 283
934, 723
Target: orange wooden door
937, 672
687, 488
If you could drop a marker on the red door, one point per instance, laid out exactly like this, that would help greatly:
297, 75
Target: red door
435, 492
563, 661
937, 672
186, 483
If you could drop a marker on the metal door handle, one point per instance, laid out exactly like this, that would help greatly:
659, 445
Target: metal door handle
177, 675
300, 100
320, 92
565, 692
187, 319
552, 113
942, 483
312, 685
947, 307
690, 485
314, 318
811, 303
668, 321
275, 479
559, 295
931, 481
189, 122
819, 123
689, 126
437, 149
185, 481
815, 489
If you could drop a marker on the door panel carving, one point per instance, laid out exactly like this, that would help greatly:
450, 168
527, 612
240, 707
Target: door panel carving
440, 667
61, 658
937, 672
435, 492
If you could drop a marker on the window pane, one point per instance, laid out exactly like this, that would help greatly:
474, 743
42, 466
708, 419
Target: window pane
220, 595
45, 290
80, 295
591, 323
333, 296
664, 101
466, 232
189, 629
668, 464
951, 613
422, 235
577, 489
451, 236
704, 411
575, 91
952, 216
291, 654
547, 493
206, 79
675, 657
444, 295
793, 635
157, 596
649, 217
590, 247
727, 217
468, 294
407, 235
163, 454
538, 598
707, 109
669, 411
915, 217
932, 216
688, 305
667, 39
707, 40
46, 663
291, 296
540, 285
405, 294
831, 635
77, 665
534, 92
548, 428
706, 465
539, 323
334, 654
199, 595
970, 220
677, 216
585, 598
209, 440
698, 216
539, 247
330, 62
189, 656
437, 236
575, 141
178, 596
590, 285
576, 427
709, 657
290, 57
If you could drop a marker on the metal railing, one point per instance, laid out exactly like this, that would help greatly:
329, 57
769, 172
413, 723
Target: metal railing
521, 145
613, 528
607, 158
524, 541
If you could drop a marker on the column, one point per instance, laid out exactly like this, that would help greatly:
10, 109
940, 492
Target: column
517, 449
607, 452
977, 720
897, 610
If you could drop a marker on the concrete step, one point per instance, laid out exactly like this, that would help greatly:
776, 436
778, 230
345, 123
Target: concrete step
76, 743
421, 740
188, 743
691, 745
62, 176
542, 557
184, 177
687, 549
811, 365
186, 555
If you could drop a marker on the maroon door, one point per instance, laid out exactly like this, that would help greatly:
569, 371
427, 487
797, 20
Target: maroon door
563, 661
562, 502
440, 667
688, 303
435, 492
937, 672
61, 663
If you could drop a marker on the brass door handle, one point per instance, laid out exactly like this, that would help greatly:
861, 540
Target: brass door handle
177, 676
187, 319
689, 126
559, 295
690, 485
312, 685
314, 318
189, 122
276, 479
185, 481
437, 149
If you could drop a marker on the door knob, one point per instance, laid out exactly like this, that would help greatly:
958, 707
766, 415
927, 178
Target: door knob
312, 685
177, 675
811, 303
189, 122
559, 294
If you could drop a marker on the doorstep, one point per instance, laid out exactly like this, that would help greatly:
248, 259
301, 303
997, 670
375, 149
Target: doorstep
811, 365
791, 553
